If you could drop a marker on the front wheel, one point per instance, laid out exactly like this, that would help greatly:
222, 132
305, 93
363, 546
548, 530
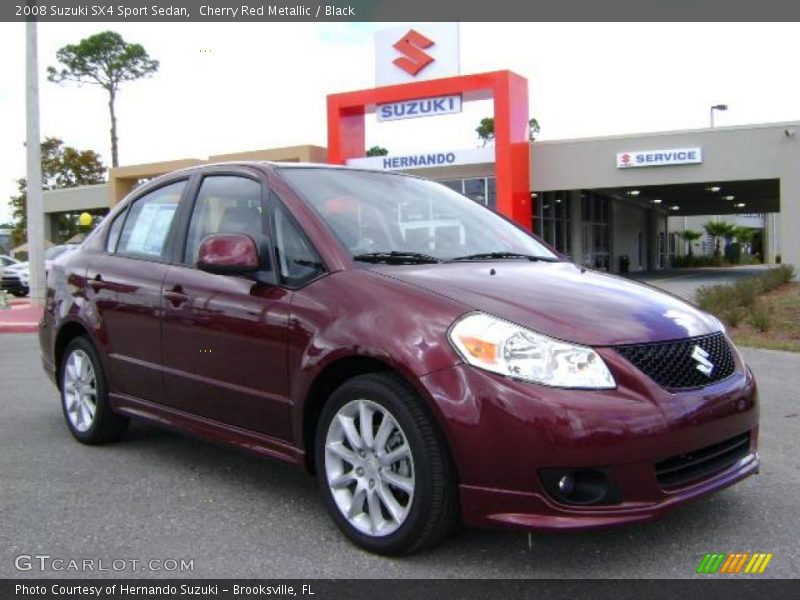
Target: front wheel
84, 396
383, 469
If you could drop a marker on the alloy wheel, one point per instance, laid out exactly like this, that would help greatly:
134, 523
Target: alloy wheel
80, 390
369, 468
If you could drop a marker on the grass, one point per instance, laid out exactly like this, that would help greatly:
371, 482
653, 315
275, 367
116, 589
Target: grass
761, 311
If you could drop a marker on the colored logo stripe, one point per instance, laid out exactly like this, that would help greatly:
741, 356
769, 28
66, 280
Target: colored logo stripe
734, 562
720, 562
758, 563
710, 563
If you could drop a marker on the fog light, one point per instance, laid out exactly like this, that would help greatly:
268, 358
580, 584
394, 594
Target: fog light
579, 486
565, 485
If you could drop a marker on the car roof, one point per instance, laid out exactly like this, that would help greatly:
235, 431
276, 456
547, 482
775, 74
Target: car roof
258, 164
285, 165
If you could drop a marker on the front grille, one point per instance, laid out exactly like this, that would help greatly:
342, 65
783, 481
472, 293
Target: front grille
10, 282
681, 470
672, 366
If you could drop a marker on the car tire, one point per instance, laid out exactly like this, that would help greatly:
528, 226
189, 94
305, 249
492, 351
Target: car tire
397, 493
20, 293
84, 396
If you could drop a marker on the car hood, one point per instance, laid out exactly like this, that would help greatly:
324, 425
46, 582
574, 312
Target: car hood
563, 300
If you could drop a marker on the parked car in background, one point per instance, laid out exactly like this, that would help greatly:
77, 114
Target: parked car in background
16, 277
13, 276
430, 361
7, 261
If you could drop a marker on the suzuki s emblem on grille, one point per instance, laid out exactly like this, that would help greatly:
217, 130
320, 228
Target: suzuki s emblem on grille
703, 365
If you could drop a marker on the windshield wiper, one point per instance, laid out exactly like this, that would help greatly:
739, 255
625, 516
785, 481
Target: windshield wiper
397, 258
501, 255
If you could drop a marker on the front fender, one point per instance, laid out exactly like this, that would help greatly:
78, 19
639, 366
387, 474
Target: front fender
338, 317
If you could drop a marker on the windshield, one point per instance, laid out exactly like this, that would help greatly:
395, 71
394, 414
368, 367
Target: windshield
382, 214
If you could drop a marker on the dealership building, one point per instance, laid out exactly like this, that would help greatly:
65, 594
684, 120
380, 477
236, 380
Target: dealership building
585, 200
612, 203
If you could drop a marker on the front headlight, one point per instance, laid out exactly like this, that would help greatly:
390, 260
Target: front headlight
502, 347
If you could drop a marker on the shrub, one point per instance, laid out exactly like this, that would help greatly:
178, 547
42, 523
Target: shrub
761, 317
787, 272
776, 277
723, 301
731, 303
733, 315
749, 259
678, 262
747, 290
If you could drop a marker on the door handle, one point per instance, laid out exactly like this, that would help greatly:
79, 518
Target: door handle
97, 282
175, 296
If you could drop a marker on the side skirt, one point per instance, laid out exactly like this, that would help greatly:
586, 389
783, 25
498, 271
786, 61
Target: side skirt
208, 429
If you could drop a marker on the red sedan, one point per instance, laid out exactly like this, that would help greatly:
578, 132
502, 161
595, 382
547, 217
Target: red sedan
431, 362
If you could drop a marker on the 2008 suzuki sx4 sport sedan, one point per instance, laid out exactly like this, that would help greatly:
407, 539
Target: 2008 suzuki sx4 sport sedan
431, 362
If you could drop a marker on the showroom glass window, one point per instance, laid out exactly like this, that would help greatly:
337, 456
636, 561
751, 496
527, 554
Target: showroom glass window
595, 231
149, 220
480, 189
552, 219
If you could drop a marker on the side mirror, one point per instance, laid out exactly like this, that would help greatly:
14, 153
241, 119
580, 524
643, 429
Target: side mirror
228, 254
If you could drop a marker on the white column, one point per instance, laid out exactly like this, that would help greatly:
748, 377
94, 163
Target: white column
770, 243
34, 207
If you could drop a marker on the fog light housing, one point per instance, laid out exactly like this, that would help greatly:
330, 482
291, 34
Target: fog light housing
580, 487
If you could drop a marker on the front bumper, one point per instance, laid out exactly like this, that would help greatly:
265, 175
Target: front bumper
502, 432
13, 284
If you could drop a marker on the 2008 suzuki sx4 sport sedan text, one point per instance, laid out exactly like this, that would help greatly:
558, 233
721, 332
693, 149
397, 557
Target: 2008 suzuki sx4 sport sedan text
430, 361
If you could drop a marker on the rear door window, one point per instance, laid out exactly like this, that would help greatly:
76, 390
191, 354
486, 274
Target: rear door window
149, 220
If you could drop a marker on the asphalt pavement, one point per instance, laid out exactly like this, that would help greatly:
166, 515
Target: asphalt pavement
161, 495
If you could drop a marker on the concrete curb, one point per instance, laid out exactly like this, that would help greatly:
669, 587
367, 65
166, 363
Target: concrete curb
22, 317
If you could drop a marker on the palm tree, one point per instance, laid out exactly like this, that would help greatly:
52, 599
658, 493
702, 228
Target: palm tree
718, 230
689, 236
744, 235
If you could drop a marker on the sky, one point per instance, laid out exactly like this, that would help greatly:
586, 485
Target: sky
227, 87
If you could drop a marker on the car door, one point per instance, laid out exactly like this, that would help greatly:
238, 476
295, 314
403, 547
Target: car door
124, 291
225, 336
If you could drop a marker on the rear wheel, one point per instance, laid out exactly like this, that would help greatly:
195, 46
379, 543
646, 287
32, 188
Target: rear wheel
383, 470
84, 396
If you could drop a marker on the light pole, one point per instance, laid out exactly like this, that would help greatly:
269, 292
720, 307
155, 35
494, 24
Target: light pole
34, 210
716, 107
